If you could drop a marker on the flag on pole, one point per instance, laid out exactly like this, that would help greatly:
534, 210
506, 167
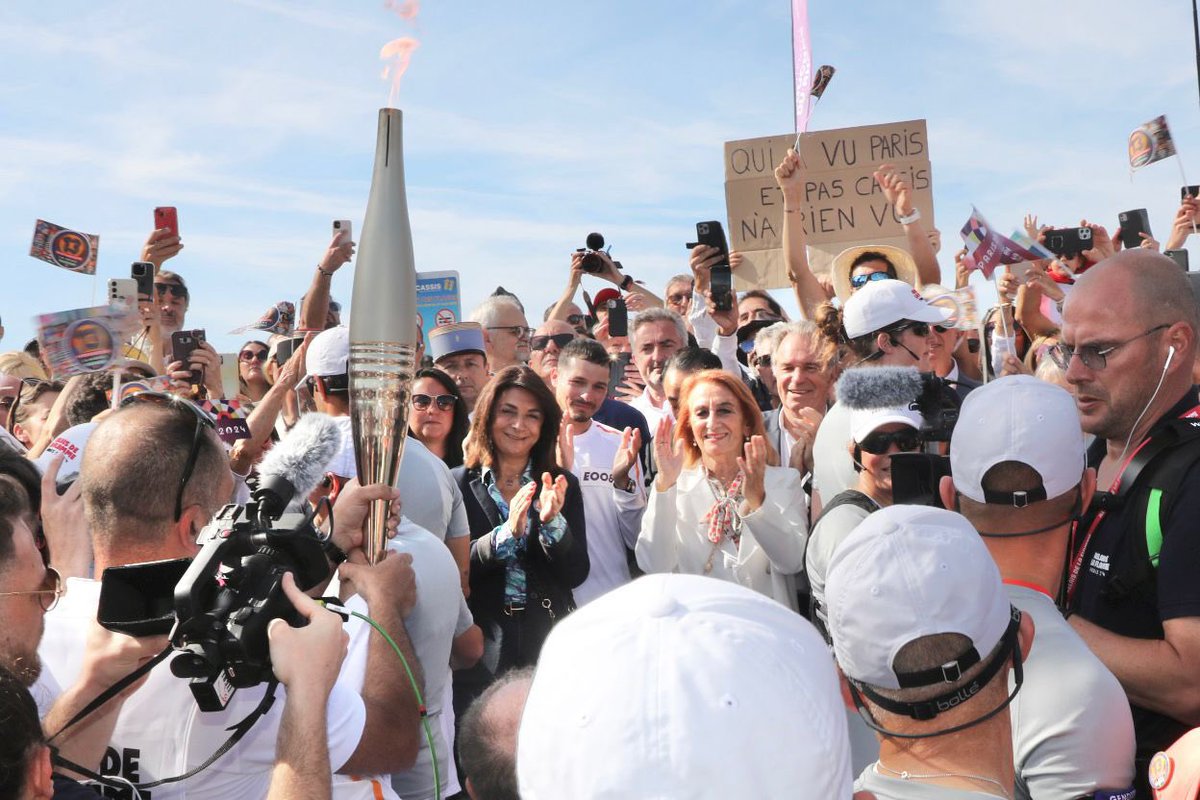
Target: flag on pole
1149, 143
988, 249
802, 57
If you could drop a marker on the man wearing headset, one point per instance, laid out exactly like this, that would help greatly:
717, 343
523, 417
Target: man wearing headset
1127, 346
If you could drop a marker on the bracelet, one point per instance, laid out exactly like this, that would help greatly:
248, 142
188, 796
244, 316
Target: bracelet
790, 210
323, 272
911, 218
625, 284
334, 553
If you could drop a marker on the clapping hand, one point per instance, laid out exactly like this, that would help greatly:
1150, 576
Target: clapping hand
668, 455
626, 457
554, 494
754, 468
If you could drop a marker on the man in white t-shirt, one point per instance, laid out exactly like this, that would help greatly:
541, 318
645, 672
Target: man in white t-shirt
1020, 477
606, 462
128, 488
655, 334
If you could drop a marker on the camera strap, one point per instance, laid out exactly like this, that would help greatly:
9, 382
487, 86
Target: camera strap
237, 732
114, 690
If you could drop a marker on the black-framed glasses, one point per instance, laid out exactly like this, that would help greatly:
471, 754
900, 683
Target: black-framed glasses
1094, 358
763, 361
48, 593
445, 402
253, 355
918, 328
859, 281
519, 331
878, 443
202, 421
561, 340
177, 290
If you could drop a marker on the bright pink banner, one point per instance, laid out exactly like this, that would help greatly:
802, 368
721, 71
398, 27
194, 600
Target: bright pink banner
802, 56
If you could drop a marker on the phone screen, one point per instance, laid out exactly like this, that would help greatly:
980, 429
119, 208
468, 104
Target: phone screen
722, 288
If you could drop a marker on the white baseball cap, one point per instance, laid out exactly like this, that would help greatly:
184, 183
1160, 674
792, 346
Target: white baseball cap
683, 686
328, 352
881, 304
1023, 419
69, 445
904, 573
865, 421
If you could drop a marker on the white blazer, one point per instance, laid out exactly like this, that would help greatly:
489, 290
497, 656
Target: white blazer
674, 535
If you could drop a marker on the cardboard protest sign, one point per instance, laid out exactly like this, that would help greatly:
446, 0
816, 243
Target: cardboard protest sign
1150, 142
843, 204
439, 300
82, 340
65, 248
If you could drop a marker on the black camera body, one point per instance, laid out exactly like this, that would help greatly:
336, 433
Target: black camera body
1068, 241
231, 593
916, 476
592, 263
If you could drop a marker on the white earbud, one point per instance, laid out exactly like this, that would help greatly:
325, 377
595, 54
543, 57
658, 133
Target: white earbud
1170, 355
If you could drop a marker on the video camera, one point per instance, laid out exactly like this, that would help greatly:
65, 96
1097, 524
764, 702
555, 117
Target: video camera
592, 263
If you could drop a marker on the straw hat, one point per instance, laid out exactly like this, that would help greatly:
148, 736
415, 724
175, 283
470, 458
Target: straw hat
906, 268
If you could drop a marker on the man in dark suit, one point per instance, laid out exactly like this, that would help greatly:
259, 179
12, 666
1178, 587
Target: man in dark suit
944, 343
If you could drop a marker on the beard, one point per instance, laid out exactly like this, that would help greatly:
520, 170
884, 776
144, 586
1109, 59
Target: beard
27, 668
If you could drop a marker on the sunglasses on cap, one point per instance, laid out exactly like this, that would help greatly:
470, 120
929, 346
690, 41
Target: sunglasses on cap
859, 281
202, 421
48, 593
174, 289
906, 441
560, 340
445, 402
252, 355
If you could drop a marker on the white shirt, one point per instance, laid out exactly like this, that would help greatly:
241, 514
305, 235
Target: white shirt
1072, 728
161, 732
429, 495
833, 469
651, 412
613, 516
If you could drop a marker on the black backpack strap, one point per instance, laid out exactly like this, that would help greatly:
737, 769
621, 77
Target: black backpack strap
850, 497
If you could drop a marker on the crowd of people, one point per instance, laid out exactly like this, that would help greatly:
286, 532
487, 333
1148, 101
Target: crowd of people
656, 546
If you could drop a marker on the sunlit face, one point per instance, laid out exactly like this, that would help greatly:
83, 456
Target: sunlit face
866, 270
580, 389
508, 338
751, 309
876, 475
802, 375
942, 342
679, 297
10, 387
432, 423
717, 424
912, 350
544, 359
173, 303
34, 414
516, 423
656, 342
672, 381
469, 371
23, 614
252, 362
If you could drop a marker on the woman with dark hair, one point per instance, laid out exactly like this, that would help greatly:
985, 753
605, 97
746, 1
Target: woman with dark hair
253, 382
528, 545
439, 416
718, 508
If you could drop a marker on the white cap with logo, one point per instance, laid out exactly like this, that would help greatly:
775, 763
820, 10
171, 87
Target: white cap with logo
882, 304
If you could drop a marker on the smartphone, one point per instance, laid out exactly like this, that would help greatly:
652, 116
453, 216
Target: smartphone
1068, 241
284, 350
139, 599
123, 292
721, 281
618, 317
143, 273
712, 234
166, 217
1185, 191
341, 230
616, 373
1180, 257
1133, 223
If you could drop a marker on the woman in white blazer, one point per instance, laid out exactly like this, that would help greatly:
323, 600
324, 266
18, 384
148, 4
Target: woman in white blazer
717, 508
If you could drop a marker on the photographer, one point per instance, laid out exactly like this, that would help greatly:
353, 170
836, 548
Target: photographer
160, 732
606, 270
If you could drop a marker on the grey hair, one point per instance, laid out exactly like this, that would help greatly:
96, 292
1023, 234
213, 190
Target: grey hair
767, 339
652, 315
489, 310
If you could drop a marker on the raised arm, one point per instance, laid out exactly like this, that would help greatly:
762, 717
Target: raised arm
316, 300
898, 192
809, 292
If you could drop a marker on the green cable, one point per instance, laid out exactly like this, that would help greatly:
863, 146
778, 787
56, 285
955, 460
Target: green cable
437, 774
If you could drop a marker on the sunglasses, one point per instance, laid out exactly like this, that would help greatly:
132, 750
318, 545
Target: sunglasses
51, 590
252, 355
1094, 358
763, 361
919, 328
577, 319
519, 331
859, 281
173, 289
560, 340
906, 441
202, 421
445, 402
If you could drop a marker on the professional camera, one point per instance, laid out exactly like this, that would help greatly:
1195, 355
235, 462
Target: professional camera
592, 263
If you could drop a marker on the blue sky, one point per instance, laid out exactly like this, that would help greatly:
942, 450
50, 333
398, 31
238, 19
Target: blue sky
530, 124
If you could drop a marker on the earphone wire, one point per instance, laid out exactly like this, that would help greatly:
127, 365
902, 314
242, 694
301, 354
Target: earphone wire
1161, 379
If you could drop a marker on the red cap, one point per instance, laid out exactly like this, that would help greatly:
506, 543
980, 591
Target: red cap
603, 296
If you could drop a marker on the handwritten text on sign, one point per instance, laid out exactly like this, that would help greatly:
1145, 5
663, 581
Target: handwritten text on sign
842, 202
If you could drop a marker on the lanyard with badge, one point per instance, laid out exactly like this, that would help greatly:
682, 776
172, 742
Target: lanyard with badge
1114, 490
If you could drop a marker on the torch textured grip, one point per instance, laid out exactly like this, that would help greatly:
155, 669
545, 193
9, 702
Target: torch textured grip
380, 387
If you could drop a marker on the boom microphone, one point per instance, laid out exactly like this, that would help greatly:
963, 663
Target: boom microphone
880, 387
294, 466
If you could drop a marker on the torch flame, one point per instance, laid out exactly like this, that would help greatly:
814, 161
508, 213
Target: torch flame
399, 51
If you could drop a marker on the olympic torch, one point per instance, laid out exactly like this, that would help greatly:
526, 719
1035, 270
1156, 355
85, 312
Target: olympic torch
383, 326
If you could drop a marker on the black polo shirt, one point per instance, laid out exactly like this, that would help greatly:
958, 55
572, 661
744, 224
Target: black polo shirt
1140, 614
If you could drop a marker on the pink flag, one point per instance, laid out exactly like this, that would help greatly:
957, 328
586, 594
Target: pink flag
802, 56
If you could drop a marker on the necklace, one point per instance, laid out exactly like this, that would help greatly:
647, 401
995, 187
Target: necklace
905, 775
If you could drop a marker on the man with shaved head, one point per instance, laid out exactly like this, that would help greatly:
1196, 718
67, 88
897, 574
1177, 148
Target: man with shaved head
547, 342
1127, 347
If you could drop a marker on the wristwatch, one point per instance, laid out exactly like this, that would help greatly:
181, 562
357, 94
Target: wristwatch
627, 283
628, 487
